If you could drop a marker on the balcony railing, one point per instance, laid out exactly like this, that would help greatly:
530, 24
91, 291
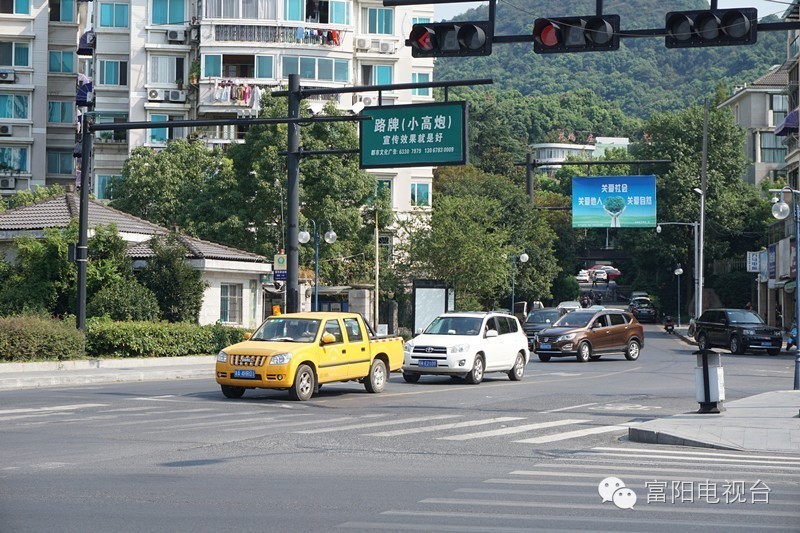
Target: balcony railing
277, 34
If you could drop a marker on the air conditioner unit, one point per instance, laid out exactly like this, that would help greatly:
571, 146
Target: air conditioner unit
6, 131
374, 46
176, 36
177, 96
7, 75
8, 183
387, 47
370, 99
156, 95
362, 44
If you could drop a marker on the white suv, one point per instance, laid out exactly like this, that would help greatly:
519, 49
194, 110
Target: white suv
467, 345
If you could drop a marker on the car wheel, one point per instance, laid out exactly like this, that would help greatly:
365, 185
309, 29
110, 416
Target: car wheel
517, 371
476, 375
543, 357
584, 352
410, 378
232, 392
376, 381
303, 386
736, 345
594, 357
774, 351
702, 342
632, 352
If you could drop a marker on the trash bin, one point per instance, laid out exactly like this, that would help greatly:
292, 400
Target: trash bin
716, 378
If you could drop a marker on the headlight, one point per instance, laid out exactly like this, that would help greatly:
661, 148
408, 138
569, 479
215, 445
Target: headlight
222, 357
748, 332
567, 337
408, 347
280, 359
460, 348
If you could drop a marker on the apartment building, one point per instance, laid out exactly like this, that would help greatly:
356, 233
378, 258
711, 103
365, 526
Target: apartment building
38, 76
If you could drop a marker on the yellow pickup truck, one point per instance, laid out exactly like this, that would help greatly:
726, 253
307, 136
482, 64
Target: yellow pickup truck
299, 352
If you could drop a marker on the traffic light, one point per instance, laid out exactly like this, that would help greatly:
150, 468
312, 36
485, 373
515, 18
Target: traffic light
576, 34
448, 39
720, 27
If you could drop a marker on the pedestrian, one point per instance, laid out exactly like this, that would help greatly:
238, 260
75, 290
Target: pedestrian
748, 306
594, 280
778, 315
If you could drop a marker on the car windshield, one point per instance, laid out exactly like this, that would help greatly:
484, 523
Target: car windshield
542, 317
744, 316
644, 305
575, 319
454, 325
284, 329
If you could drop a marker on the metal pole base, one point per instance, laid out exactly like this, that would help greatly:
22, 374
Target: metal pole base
711, 408
797, 371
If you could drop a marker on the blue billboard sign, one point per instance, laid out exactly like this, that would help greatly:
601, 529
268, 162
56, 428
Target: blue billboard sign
614, 202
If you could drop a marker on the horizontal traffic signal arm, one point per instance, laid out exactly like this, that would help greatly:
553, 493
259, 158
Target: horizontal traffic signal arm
449, 39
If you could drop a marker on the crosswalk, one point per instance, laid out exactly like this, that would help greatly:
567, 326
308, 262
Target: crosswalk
661, 489
173, 416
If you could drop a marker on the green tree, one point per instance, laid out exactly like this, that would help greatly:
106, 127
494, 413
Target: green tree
177, 286
124, 299
30, 196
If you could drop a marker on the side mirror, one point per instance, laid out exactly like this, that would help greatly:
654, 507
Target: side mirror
328, 338
247, 335
491, 333
724, 321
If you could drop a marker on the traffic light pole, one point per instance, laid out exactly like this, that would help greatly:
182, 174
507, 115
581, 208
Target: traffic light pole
293, 198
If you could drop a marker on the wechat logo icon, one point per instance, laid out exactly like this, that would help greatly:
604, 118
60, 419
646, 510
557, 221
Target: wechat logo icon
613, 489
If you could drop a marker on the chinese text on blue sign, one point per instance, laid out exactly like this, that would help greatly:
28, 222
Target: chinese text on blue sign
614, 202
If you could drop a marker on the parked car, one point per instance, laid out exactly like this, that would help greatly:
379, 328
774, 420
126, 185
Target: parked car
467, 345
643, 310
738, 330
599, 275
610, 271
637, 301
538, 320
568, 306
589, 333
639, 294
583, 277
300, 351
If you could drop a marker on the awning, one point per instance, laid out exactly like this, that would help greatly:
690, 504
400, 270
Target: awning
789, 124
81, 97
86, 43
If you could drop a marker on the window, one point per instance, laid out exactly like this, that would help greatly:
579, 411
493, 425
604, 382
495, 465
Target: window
378, 20
294, 10
265, 67
162, 135
13, 106
168, 12
15, 7
116, 136
62, 10
59, 161
420, 194
779, 105
113, 72
230, 307
14, 54
420, 20
102, 187
166, 69
212, 66
377, 74
13, 158
245, 9
353, 330
617, 319
772, 148
333, 327
62, 61
419, 77
113, 15
384, 184
60, 112
316, 68
338, 12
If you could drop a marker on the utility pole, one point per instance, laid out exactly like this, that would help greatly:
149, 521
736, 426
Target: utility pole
293, 198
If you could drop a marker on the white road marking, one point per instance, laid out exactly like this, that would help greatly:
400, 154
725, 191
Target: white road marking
572, 434
570, 408
513, 429
714, 455
439, 427
53, 408
377, 424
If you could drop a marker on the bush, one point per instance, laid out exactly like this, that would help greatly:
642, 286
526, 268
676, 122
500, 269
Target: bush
124, 300
106, 338
36, 338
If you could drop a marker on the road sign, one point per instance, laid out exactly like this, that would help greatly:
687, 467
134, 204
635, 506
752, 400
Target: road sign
278, 275
614, 202
416, 135
279, 263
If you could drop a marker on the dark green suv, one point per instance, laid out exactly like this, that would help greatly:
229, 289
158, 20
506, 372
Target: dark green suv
738, 330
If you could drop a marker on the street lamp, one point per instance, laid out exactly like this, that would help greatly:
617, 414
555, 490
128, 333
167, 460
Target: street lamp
780, 210
304, 236
701, 240
678, 272
698, 285
522, 258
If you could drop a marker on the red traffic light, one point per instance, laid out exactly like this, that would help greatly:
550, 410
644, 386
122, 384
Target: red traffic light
719, 27
422, 38
576, 34
451, 39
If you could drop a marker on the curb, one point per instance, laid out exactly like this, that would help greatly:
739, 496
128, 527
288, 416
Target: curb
91, 364
649, 436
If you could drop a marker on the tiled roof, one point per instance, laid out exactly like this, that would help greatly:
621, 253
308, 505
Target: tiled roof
57, 212
777, 77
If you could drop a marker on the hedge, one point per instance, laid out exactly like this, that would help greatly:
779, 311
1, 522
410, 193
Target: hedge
34, 338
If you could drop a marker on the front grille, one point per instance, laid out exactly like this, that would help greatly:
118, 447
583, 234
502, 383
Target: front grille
430, 350
247, 360
547, 340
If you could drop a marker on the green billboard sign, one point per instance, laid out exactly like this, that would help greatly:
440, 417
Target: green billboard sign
416, 135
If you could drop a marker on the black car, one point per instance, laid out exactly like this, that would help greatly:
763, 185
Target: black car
739, 330
643, 310
538, 319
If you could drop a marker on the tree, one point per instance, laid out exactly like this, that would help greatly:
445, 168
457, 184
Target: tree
124, 299
30, 196
177, 286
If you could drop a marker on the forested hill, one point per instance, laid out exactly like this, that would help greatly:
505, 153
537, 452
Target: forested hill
641, 77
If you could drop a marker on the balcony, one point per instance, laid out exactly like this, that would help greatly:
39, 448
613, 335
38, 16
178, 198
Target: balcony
312, 35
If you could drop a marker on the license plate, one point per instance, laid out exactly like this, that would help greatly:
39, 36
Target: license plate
766, 343
427, 362
544, 346
244, 374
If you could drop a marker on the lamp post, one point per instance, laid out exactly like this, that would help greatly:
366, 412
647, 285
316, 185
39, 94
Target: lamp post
701, 235
678, 272
698, 287
304, 236
780, 210
522, 258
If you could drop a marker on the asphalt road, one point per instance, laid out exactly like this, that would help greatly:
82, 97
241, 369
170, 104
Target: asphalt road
438, 455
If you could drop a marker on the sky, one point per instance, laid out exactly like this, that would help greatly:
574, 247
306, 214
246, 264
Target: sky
765, 7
